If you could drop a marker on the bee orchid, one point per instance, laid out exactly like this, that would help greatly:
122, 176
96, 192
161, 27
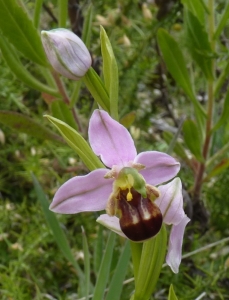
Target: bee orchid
130, 189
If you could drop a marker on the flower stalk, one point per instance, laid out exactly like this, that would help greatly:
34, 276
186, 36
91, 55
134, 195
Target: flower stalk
210, 92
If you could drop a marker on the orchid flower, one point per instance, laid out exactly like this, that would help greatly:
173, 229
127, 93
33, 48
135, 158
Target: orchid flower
129, 188
66, 52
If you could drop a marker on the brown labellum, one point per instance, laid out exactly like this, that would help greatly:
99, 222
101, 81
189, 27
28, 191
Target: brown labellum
140, 218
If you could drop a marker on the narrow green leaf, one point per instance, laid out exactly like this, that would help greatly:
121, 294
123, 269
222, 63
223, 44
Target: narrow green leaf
219, 168
22, 123
19, 70
198, 44
55, 227
75, 94
223, 76
136, 252
20, 31
178, 147
97, 89
152, 258
222, 22
77, 143
128, 119
104, 270
192, 138
63, 13
197, 7
60, 110
115, 287
86, 265
225, 114
37, 12
172, 295
98, 250
218, 155
176, 65
110, 72
87, 26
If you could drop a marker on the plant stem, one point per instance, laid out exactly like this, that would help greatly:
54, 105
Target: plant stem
207, 142
136, 250
63, 13
63, 92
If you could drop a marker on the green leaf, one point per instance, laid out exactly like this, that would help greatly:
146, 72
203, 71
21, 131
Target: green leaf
110, 72
20, 31
192, 138
172, 295
198, 44
152, 258
178, 147
22, 123
222, 22
225, 114
98, 250
55, 227
63, 13
221, 153
11, 58
176, 65
86, 265
218, 169
60, 110
87, 26
116, 285
128, 119
223, 76
37, 12
77, 143
197, 8
104, 270
97, 89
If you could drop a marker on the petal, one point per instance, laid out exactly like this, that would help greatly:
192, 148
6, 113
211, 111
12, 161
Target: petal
111, 223
170, 202
66, 52
173, 258
83, 193
110, 140
159, 167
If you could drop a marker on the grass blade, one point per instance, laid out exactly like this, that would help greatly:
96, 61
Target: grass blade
104, 268
54, 225
86, 265
116, 285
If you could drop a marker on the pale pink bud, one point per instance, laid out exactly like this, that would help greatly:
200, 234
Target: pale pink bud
66, 52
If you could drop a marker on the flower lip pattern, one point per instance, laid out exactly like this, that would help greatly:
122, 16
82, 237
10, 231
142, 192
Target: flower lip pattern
113, 143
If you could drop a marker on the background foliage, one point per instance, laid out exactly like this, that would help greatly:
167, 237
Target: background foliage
152, 104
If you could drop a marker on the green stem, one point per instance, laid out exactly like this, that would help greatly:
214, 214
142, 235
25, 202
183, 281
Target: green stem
202, 166
136, 251
97, 89
37, 12
48, 76
152, 258
63, 92
63, 13
75, 93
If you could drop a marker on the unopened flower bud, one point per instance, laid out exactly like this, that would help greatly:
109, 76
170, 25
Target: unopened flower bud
66, 52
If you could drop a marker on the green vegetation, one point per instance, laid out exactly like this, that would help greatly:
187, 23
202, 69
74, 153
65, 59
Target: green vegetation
153, 104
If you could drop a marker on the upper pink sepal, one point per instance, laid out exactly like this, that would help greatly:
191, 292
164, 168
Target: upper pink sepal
159, 167
173, 258
170, 202
110, 140
111, 223
83, 193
